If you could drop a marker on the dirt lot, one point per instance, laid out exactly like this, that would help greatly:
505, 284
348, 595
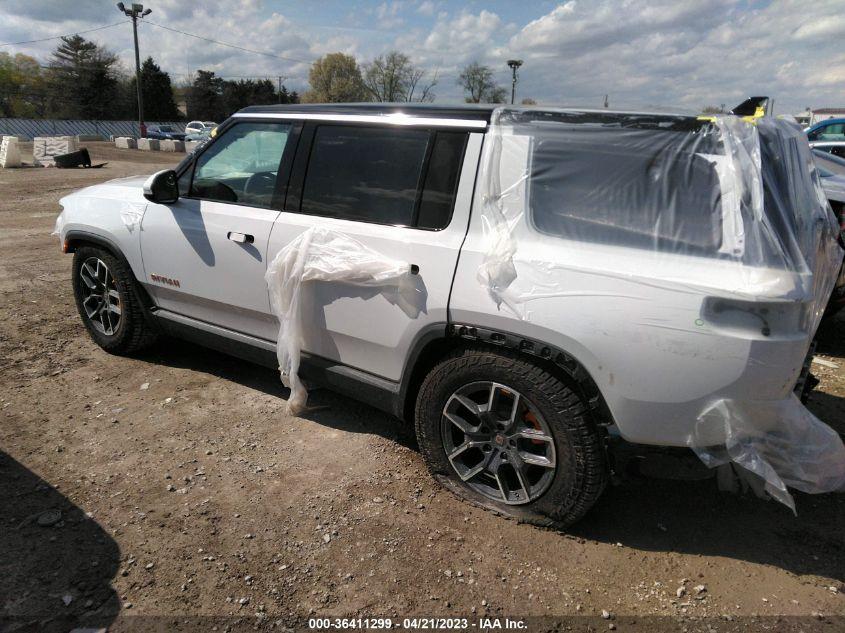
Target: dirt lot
185, 490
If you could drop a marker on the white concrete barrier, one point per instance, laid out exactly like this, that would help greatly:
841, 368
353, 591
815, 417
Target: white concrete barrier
148, 144
125, 142
44, 148
10, 155
170, 145
190, 146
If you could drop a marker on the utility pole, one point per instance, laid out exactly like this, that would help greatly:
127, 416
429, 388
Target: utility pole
514, 64
134, 12
606, 102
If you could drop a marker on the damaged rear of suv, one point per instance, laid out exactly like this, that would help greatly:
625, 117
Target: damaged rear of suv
522, 284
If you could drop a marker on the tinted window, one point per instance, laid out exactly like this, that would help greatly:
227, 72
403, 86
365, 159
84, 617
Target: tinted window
650, 189
242, 165
441, 180
365, 173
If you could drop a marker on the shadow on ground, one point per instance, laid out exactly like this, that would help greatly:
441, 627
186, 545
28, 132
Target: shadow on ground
694, 517
691, 517
324, 407
831, 336
56, 563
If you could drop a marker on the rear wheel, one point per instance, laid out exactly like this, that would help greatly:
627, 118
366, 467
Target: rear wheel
510, 436
109, 302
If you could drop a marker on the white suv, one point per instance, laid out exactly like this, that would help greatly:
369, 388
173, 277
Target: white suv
572, 276
199, 127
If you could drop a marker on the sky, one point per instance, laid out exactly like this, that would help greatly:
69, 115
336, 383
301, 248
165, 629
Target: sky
678, 55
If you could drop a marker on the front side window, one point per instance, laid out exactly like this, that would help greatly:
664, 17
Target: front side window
242, 165
370, 174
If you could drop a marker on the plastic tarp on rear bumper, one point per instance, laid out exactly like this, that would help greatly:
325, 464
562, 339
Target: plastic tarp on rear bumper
723, 190
319, 255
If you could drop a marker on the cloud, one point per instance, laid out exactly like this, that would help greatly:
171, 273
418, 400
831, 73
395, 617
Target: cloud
464, 35
388, 15
825, 26
682, 53
689, 54
427, 8
53, 12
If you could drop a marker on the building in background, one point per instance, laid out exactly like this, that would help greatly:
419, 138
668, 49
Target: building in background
822, 114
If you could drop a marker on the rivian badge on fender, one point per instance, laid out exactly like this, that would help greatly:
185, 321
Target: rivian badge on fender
167, 281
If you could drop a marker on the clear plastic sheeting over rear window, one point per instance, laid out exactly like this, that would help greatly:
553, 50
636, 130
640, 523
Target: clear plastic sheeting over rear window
663, 185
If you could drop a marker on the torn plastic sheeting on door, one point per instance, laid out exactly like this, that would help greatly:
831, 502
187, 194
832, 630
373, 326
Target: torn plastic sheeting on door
319, 254
667, 189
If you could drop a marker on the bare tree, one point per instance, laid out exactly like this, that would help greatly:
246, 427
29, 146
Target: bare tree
393, 78
479, 85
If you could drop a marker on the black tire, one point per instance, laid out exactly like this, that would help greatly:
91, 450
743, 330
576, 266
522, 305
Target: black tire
134, 331
581, 471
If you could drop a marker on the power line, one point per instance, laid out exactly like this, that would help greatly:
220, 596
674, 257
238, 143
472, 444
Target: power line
240, 48
57, 37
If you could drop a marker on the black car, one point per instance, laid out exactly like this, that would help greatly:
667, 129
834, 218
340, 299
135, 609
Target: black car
162, 132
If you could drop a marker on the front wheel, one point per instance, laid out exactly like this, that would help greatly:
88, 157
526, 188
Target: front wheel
508, 435
109, 302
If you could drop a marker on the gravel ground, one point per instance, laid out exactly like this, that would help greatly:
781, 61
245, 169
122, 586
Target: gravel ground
181, 488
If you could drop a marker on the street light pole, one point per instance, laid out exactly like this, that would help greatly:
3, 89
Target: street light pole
134, 12
514, 64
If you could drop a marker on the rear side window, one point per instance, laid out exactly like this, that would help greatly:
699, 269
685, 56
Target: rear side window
369, 174
653, 190
441, 182
384, 175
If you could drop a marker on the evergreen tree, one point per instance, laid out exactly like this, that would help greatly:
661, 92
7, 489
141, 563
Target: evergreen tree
83, 80
157, 91
205, 97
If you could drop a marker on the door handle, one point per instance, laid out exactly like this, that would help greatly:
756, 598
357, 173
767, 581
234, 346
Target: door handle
240, 238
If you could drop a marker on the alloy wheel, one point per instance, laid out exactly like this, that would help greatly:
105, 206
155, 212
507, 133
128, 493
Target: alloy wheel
100, 297
498, 443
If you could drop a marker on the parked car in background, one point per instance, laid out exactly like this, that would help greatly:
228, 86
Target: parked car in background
568, 278
163, 132
832, 175
829, 147
828, 130
194, 127
199, 127
829, 162
201, 136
